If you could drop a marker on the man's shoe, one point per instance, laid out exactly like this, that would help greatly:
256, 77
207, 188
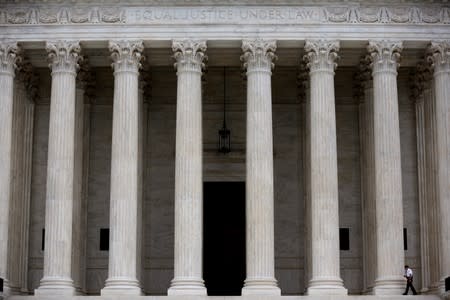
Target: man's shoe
404, 294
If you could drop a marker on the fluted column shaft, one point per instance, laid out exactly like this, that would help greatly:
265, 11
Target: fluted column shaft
325, 271
124, 202
422, 190
60, 170
426, 162
440, 58
188, 267
20, 184
258, 56
431, 224
368, 175
388, 177
8, 59
84, 80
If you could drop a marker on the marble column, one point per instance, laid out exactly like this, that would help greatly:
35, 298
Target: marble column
23, 107
305, 96
64, 58
32, 87
84, 79
125, 214
8, 58
439, 55
426, 167
387, 164
421, 187
325, 272
431, 222
188, 268
367, 176
258, 60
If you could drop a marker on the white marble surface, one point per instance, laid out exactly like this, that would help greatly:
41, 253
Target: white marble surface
125, 212
188, 244
325, 271
258, 56
387, 163
440, 59
57, 279
8, 58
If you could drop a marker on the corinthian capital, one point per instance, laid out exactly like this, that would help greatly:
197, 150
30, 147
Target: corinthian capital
9, 57
385, 55
420, 79
321, 55
29, 78
258, 54
439, 56
189, 55
86, 78
64, 56
126, 55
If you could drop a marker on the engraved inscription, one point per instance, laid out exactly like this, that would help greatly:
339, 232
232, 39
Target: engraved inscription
224, 15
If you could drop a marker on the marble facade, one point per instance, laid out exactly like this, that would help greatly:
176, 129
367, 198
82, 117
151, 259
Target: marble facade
338, 115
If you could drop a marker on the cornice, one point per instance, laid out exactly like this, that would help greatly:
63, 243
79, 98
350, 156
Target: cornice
221, 12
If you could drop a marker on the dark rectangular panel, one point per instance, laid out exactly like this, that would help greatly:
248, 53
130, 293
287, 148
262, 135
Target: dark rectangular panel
405, 239
43, 239
344, 238
104, 239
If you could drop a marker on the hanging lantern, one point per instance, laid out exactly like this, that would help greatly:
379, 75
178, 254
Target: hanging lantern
224, 132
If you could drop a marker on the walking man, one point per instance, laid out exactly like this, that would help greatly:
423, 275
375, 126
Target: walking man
409, 280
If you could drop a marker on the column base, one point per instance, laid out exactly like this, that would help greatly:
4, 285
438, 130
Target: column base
121, 286
441, 290
394, 285
263, 286
326, 286
55, 286
7, 290
184, 287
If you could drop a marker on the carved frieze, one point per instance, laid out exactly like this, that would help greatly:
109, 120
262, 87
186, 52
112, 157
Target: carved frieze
351, 13
62, 15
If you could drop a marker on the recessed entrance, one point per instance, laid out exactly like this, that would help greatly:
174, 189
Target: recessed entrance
224, 237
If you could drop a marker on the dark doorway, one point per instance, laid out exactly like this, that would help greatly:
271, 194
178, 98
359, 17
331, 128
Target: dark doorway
224, 237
